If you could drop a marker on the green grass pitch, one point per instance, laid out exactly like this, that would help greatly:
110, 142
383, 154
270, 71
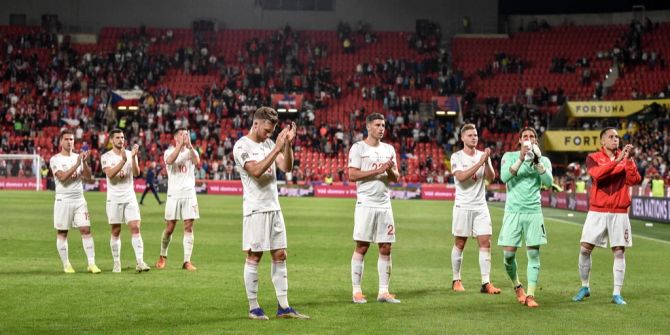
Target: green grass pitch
36, 297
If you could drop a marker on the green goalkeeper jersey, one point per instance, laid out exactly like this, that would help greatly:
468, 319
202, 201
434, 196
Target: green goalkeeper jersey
523, 190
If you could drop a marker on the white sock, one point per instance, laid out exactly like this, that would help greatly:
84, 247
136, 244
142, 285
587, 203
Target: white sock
619, 270
280, 281
89, 249
138, 246
357, 266
165, 243
251, 283
188, 246
115, 244
384, 270
485, 264
61, 245
584, 265
456, 261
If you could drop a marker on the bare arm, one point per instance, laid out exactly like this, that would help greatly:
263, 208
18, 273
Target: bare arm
65, 175
195, 156
285, 159
356, 174
173, 155
257, 169
136, 165
489, 173
111, 172
392, 173
86, 173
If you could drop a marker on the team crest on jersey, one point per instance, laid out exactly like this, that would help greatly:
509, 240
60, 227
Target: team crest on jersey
245, 156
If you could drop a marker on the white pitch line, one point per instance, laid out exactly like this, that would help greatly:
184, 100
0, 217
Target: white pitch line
579, 224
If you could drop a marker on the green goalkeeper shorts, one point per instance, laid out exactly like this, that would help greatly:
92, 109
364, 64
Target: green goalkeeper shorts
519, 226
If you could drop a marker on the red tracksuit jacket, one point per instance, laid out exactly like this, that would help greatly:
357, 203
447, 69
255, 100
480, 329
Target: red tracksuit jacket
609, 190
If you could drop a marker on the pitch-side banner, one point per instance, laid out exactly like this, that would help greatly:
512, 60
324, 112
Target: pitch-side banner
20, 183
650, 208
573, 140
611, 108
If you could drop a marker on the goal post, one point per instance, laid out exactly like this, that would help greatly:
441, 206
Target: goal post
17, 171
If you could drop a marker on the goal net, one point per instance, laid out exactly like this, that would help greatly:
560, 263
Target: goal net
22, 172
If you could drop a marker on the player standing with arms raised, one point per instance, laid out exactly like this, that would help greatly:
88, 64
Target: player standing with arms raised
613, 171
372, 165
120, 165
182, 203
70, 207
256, 159
471, 214
523, 173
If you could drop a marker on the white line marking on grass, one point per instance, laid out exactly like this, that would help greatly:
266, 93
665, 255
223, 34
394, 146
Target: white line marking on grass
579, 224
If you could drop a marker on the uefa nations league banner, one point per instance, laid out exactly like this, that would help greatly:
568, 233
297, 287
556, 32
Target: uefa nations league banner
650, 208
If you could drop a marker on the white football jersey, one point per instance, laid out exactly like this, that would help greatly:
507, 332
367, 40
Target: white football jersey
181, 174
72, 188
372, 191
120, 189
470, 194
260, 194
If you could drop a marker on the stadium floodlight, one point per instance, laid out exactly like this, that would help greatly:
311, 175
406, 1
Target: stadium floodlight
20, 164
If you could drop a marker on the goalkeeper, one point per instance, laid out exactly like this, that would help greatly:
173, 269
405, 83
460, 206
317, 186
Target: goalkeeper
524, 172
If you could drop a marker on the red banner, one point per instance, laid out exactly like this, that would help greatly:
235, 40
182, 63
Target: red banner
227, 187
140, 185
561, 200
582, 200
437, 192
335, 191
20, 183
287, 101
546, 198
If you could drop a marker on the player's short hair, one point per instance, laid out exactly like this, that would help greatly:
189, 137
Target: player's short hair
374, 116
114, 132
606, 129
266, 113
467, 126
525, 129
65, 132
176, 131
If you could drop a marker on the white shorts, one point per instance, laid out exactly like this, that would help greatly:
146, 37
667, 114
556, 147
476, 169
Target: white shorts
599, 226
181, 209
373, 224
263, 231
71, 214
471, 222
124, 212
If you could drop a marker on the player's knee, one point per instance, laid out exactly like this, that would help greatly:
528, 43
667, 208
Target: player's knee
254, 257
279, 256
385, 249
85, 231
619, 253
362, 248
585, 251
188, 226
